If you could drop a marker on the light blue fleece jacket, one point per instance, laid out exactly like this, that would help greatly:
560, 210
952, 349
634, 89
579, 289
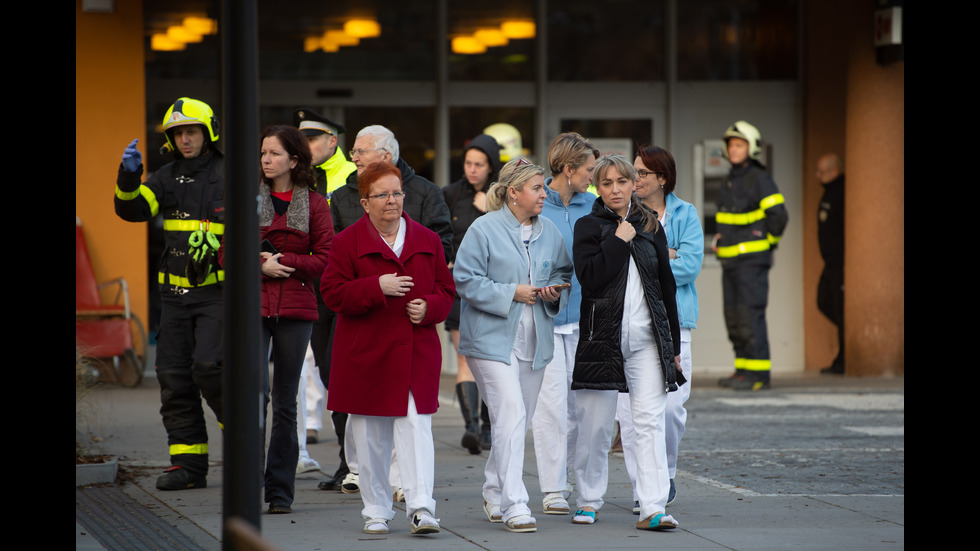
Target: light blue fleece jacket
684, 234
490, 263
564, 219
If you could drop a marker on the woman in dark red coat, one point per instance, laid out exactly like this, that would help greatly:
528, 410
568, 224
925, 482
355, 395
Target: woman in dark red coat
388, 282
296, 233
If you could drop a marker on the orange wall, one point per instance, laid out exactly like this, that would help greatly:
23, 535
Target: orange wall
856, 108
874, 310
825, 109
110, 100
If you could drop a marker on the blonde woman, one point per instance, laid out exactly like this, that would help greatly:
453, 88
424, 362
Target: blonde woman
509, 272
571, 159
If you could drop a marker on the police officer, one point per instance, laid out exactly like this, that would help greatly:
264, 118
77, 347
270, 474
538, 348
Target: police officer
329, 163
830, 235
189, 194
332, 170
751, 218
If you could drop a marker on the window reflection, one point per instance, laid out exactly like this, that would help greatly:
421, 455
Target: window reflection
737, 39
614, 41
473, 22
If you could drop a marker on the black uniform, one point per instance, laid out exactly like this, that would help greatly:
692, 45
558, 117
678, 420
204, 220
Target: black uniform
751, 218
189, 194
830, 234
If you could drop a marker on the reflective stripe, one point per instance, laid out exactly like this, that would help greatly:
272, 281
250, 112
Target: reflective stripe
774, 239
127, 195
740, 218
188, 449
746, 218
179, 281
148, 196
732, 251
193, 225
771, 201
753, 365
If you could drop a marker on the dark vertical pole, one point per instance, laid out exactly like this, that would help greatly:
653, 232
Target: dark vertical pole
242, 440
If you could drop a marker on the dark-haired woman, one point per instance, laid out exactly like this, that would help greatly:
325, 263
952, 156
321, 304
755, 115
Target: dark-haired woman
296, 231
467, 200
629, 341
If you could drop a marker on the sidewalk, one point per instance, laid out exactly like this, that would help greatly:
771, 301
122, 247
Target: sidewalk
752, 513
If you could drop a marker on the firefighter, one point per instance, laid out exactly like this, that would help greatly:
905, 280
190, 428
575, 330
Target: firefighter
189, 194
751, 218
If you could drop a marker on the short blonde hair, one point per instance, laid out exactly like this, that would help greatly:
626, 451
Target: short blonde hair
570, 149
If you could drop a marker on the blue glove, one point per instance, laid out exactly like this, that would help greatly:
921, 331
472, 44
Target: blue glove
131, 158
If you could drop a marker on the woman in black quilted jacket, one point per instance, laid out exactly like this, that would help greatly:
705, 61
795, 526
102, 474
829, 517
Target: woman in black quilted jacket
629, 341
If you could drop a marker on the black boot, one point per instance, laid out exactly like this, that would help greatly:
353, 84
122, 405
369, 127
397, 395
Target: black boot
469, 402
485, 436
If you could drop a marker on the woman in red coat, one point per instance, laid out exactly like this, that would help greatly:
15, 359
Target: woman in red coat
296, 233
388, 282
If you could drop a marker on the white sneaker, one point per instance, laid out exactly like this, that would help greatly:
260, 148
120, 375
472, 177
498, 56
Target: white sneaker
307, 464
398, 495
424, 523
349, 486
376, 526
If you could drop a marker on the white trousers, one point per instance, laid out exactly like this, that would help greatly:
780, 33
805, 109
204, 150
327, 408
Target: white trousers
411, 436
511, 393
302, 402
675, 417
596, 409
311, 384
350, 456
553, 425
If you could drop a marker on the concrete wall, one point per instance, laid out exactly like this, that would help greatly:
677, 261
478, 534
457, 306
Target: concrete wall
110, 101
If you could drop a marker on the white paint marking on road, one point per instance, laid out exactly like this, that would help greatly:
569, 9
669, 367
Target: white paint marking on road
853, 402
879, 431
749, 493
718, 484
688, 451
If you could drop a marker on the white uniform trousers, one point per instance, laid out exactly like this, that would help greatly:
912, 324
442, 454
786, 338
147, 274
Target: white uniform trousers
554, 425
511, 393
411, 436
675, 417
312, 386
596, 409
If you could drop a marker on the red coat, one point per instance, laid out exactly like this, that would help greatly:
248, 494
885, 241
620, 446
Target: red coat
304, 236
378, 353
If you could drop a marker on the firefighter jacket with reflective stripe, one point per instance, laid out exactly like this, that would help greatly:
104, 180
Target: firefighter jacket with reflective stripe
189, 194
751, 215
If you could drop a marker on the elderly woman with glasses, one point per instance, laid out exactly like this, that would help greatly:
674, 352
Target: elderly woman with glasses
388, 281
510, 271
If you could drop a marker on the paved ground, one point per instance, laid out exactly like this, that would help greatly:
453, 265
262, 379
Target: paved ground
816, 463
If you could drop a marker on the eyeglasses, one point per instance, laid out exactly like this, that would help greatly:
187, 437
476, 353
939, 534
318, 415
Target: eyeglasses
644, 173
359, 152
384, 196
523, 162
